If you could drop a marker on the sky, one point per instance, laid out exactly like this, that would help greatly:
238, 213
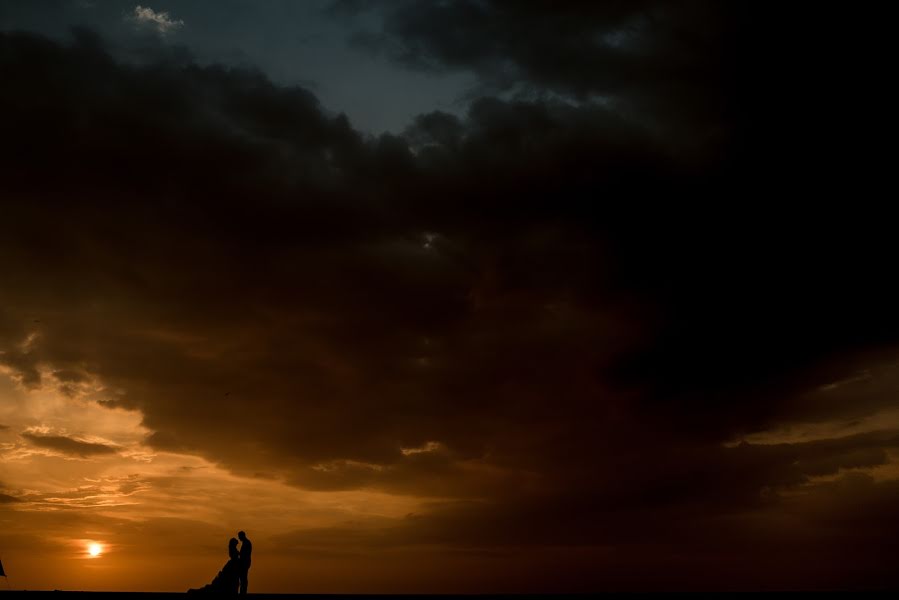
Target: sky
463, 296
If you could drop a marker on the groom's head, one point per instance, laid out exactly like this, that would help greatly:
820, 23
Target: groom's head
242, 536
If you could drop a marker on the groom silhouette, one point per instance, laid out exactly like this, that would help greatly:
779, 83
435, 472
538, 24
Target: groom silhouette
246, 551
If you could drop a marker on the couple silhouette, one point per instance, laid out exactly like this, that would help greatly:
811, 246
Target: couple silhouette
233, 576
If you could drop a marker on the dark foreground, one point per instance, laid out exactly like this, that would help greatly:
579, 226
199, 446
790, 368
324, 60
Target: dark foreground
9, 594
4, 594
150, 595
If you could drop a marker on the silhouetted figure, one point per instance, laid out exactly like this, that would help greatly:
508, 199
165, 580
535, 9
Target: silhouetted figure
227, 580
246, 552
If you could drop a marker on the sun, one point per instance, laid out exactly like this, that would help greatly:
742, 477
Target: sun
94, 549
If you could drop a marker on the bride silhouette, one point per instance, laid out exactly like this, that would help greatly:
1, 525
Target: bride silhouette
227, 580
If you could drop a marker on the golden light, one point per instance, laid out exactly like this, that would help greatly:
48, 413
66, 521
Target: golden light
94, 549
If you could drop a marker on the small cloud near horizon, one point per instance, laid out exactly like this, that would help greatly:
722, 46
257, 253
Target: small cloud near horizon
67, 445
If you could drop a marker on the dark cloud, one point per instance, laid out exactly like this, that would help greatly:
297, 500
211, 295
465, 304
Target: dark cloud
68, 445
7, 499
666, 65
546, 313
383, 291
581, 46
786, 543
331, 288
726, 257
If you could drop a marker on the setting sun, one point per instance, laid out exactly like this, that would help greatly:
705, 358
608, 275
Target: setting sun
94, 549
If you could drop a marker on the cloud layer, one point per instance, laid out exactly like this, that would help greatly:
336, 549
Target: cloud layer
68, 446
